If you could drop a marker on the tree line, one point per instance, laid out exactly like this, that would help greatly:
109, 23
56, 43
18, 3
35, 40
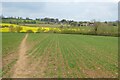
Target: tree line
27, 20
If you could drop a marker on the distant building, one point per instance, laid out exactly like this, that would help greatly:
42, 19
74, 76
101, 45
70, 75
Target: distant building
87, 24
91, 23
84, 24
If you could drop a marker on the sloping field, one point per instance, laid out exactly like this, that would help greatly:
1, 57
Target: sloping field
68, 55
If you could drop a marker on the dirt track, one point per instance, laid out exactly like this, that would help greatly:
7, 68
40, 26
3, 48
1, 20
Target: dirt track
20, 68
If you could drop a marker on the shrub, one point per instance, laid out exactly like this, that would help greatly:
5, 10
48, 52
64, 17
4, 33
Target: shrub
29, 31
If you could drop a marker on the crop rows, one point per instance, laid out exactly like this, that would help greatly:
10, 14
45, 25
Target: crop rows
67, 55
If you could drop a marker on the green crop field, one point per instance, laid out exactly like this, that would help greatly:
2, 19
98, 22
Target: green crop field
10, 42
10, 45
65, 55
0, 55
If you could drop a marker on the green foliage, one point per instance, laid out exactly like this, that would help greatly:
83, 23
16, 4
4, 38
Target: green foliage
18, 29
12, 29
29, 31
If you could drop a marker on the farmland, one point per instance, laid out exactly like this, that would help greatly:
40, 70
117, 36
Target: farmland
0, 55
53, 28
10, 42
10, 46
62, 55
53, 39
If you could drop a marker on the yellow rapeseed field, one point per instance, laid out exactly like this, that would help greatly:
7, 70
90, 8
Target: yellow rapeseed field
9, 27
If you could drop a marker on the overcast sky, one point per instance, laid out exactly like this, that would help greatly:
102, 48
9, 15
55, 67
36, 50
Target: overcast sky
59, 0
72, 10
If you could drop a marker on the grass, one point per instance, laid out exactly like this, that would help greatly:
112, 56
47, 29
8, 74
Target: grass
68, 55
0, 55
10, 45
10, 42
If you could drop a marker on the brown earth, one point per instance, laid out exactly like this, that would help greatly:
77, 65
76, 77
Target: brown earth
20, 68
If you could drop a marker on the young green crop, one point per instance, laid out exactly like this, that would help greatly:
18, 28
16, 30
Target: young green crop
68, 55
10, 42
64, 55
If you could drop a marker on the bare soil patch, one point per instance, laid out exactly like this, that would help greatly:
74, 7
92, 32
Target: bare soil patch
20, 68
